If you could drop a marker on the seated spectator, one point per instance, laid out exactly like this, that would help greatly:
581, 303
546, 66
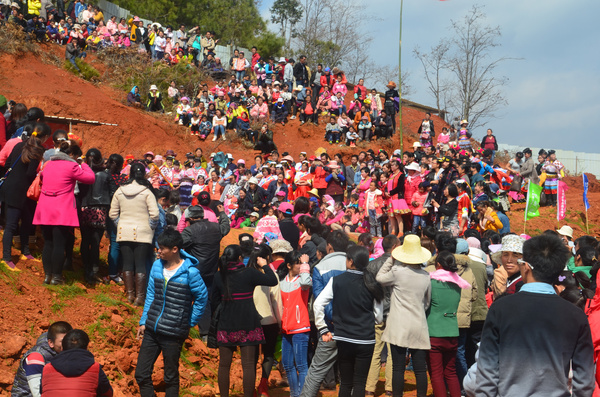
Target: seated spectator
205, 127
332, 131
265, 140
75, 369
93, 41
53, 33
133, 97
260, 111
351, 137
36, 28
279, 112
123, 40
337, 104
364, 129
383, 125
324, 102
183, 111
339, 87
72, 52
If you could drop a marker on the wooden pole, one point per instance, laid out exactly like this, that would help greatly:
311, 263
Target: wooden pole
399, 127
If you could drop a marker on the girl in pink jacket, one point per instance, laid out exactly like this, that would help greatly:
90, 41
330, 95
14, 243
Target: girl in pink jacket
56, 211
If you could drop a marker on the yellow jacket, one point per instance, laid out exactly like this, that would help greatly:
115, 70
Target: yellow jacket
34, 7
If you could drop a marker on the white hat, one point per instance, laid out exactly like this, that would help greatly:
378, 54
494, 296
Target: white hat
253, 180
411, 251
477, 255
153, 88
280, 246
276, 83
397, 152
14, 4
331, 209
413, 166
255, 214
230, 156
299, 87
281, 59
417, 144
566, 231
510, 243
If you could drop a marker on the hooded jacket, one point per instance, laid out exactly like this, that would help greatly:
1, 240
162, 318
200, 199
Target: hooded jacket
134, 206
172, 307
75, 373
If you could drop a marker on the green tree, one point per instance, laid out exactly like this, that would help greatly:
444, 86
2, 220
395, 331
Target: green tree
269, 44
287, 14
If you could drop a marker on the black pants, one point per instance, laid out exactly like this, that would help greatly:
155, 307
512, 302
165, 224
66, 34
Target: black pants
90, 249
383, 132
53, 254
248, 354
355, 361
135, 256
271, 332
13, 216
152, 346
473, 338
309, 117
419, 359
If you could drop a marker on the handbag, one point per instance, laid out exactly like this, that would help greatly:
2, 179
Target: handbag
211, 340
9, 170
516, 184
35, 189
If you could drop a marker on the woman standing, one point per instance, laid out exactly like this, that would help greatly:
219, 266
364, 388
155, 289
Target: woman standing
267, 301
363, 185
295, 322
95, 200
56, 211
442, 322
135, 211
233, 289
448, 211
554, 170
357, 307
406, 326
23, 163
391, 102
398, 205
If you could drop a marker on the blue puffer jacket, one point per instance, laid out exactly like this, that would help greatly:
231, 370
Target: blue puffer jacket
330, 266
172, 307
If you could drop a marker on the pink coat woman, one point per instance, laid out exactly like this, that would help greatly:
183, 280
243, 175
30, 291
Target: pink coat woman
57, 199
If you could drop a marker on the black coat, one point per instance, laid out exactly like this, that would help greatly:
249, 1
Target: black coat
290, 231
98, 193
13, 191
202, 240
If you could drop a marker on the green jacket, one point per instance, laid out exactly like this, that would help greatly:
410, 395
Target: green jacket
441, 315
248, 223
574, 269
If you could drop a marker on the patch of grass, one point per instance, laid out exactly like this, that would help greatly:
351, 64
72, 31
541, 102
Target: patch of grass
87, 71
7, 274
111, 302
194, 333
66, 292
57, 307
97, 327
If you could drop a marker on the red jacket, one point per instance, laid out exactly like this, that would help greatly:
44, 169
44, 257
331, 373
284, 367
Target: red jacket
319, 181
294, 297
361, 90
74, 373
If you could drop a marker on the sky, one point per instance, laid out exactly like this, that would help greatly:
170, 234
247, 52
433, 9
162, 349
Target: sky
553, 91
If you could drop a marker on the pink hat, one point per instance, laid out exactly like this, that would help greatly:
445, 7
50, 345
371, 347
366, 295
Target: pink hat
136, 19
158, 158
280, 193
149, 154
286, 208
473, 242
241, 161
333, 164
185, 99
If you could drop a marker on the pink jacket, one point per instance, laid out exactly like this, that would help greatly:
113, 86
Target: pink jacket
57, 199
339, 87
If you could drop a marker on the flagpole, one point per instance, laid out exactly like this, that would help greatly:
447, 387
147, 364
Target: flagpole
527, 206
587, 226
400, 81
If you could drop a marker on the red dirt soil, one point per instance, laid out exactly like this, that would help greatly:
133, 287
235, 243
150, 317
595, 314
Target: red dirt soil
29, 307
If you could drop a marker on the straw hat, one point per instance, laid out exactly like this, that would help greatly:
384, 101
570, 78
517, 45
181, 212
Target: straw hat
510, 243
411, 251
314, 192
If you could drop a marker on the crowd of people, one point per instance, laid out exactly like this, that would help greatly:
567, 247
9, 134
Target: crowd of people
405, 259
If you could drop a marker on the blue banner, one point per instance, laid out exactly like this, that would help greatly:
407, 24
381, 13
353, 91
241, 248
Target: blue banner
585, 191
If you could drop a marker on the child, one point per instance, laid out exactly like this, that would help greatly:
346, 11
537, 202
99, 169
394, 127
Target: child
332, 131
174, 283
373, 204
251, 220
183, 110
357, 306
205, 127
419, 211
195, 124
364, 129
295, 322
351, 137
443, 139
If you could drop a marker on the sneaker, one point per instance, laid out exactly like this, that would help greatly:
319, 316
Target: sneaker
115, 279
292, 118
302, 122
27, 257
224, 138
215, 138
11, 266
180, 122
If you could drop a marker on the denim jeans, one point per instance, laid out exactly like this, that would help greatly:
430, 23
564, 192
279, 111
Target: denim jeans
418, 221
374, 223
461, 359
152, 346
219, 130
114, 252
294, 356
239, 75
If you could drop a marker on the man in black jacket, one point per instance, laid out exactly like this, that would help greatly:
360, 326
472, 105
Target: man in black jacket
383, 125
301, 72
289, 230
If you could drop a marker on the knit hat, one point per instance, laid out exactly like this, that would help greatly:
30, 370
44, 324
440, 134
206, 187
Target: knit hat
280, 246
462, 247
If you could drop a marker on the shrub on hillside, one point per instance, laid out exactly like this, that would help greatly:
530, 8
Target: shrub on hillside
88, 72
14, 41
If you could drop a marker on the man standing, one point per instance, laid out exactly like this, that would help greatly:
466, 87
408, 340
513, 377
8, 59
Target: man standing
532, 339
175, 302
74, 371
208, 44
49, 344
326, 353
301, 71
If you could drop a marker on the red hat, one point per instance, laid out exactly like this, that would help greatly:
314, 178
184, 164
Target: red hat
312, 158
129, 157
286, 208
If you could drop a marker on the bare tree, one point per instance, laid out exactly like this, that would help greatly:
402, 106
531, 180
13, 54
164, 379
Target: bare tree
434, 66
358, 65
330, 32
287, 13
476, 92
385, 74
